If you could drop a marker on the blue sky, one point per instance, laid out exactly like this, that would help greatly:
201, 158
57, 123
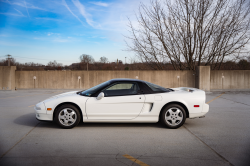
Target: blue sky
62, 30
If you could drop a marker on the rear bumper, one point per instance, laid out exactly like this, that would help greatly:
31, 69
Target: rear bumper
204, 111
205, 108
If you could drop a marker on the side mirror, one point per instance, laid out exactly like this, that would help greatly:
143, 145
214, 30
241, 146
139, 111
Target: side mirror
100, 96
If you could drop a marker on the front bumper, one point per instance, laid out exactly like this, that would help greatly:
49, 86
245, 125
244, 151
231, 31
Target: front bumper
41, 113
45, 117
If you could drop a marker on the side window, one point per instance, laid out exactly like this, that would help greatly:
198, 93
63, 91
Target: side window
156, 88
121, 89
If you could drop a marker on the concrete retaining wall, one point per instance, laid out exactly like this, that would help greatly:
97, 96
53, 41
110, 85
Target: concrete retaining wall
230, 79
69, 79
7, 77
203, 79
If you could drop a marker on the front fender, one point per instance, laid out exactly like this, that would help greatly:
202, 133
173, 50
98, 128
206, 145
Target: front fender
75, 99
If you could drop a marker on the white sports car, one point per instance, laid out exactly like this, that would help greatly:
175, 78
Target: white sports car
124, 100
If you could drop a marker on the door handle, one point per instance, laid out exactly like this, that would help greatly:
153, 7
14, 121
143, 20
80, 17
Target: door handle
139, 97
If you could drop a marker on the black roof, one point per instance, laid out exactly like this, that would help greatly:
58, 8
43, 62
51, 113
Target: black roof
125, 79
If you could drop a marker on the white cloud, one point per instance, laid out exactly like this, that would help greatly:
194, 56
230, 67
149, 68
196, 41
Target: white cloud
21, 14
65, 4
85, 14
49, 19
94, 42
22, 4
60, 40
13, 14
56, 39
101, 37
26, 8
38, 38
100, 4
49, 34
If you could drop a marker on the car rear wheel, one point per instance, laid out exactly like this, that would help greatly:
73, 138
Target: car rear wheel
67, 116
173, 116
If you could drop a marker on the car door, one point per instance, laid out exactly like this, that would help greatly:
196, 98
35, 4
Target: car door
121, 101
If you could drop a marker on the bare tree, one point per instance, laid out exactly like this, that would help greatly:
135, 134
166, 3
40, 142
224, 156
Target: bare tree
54, 64
188, 33
4, 62
85, 61
104, 59
243, 64
85, 58
248, 57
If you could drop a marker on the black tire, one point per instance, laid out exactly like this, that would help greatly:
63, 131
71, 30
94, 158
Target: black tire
173, 116
71, 116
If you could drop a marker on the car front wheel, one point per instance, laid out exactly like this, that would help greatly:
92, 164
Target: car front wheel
67, 116
173, 116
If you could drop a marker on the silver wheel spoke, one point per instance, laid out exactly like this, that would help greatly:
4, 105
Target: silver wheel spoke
177, 111
65, 111
67, 116
170, 111
72, 120
168, 118
173, 116
179, 118
72, 113
61, 117
65, 121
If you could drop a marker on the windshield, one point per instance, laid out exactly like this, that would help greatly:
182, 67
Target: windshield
156, 88
94, 89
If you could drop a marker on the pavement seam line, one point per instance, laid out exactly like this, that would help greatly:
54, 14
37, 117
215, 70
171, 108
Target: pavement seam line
236, 101
20, 96
19, 141
119, 160
135, 160
37, 94
223, 158
215, 98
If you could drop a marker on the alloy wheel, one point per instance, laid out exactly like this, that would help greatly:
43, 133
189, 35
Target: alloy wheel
173, 116
67, 116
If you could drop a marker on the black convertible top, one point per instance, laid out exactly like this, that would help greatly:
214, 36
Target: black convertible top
144, 87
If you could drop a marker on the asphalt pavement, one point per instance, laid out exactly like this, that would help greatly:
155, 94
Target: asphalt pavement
221, 138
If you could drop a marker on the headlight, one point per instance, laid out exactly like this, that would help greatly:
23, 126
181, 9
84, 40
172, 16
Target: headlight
38, 108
